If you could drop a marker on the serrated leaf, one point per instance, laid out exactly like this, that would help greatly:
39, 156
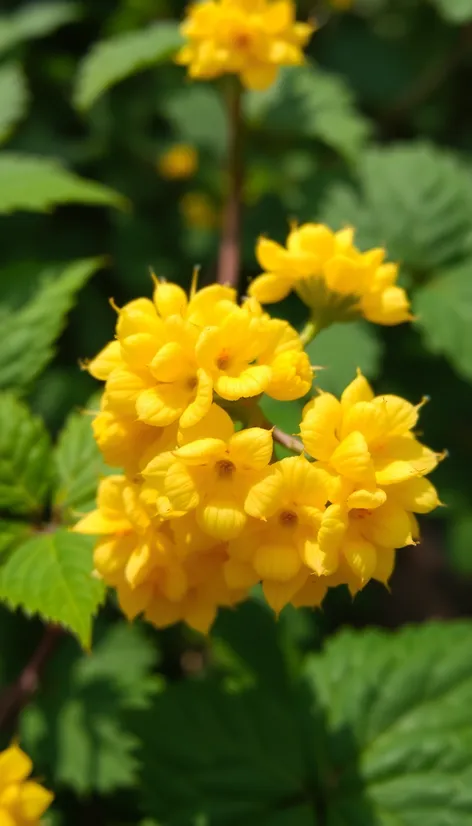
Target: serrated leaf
113, 60
454, 11
414, 199
28, 335
198, 117
310, 102
25, 459
79, 465
38, 184
13, 98
341, 349
34, 20
51, 575
398, 709
444, 315
84, 700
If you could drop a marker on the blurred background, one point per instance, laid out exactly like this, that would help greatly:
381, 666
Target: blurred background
378, 134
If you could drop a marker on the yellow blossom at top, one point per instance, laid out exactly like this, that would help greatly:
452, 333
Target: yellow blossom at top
249, 38
198, 211
331, 275
22, 801
178, 162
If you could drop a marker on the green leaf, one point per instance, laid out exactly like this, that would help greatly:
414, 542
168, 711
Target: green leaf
231, 758
198, 117
398, 712
79, 465
13, 98
38, 184
310, 102
28, 335
459, 541
12, 534
341, 349
113, 60
413, 199
454, 11
51, 575
444, 310
25, 459
34, 20
77, 730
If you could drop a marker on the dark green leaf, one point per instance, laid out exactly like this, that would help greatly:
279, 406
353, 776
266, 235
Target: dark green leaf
13, 98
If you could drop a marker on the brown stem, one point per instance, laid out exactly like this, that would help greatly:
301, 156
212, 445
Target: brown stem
290, 442
18, 694
230, 247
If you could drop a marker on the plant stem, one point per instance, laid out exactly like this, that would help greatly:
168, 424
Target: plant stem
309, 332
230, 247
18, 694
290, 442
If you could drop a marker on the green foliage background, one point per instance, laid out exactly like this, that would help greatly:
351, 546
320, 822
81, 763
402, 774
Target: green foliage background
293, 723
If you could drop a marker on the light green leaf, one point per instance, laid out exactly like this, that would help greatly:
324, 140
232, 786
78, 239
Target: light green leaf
38, 184
444, 311
398, 712
77, 728
113, 60
34, 20
51, 575
413, 199
308, 101
28, 335
25, 459
454, 11
12, 533
13, 98
341, 349
79, 465
198, 117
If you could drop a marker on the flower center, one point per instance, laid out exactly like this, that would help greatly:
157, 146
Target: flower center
360, 513
224, 468
241, 40
192, 382
223, 360
288, 519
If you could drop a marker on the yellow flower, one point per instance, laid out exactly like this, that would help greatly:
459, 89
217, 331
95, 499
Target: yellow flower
179, 162
331, 276
22, 801
364, 440
281, 540
198, 211
249, 38
173, 354
215, 475
166, 571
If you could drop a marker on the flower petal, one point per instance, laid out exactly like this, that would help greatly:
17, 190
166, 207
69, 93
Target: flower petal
251, 448
264, 497
361, 557
277, 561
271, 287
388, 526
181, 486
417, 495
201, 404
106, 361
216, 423
33, 801
366, 499
311, 594
403, 458
201, 452
352, 459
251, 381
278, 594
15, 765
318, 428
161, 405
358, 390
222, 517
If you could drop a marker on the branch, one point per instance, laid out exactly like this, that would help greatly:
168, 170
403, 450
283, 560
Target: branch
230, 247
290, 442
18, 694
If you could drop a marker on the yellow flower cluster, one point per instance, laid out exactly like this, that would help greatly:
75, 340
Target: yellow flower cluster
331, 276
202, 512
22, 801
179, 162
249, 38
